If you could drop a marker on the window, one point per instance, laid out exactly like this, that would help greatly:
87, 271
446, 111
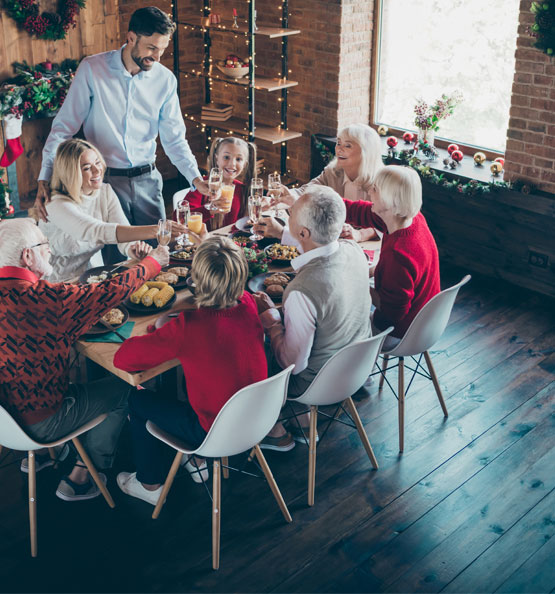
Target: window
431, 47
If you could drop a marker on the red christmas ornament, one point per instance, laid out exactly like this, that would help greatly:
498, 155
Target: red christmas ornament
47, 65
392, 142
11, 209
451, 148
500, 160
408, 137
456, 155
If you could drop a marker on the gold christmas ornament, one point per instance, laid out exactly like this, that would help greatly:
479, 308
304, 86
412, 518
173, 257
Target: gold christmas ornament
479, 158
383, 130
496, 168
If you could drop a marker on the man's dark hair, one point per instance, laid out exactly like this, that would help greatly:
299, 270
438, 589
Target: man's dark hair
150, 20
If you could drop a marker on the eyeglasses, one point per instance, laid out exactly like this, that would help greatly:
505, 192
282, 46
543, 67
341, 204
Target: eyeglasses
46, 242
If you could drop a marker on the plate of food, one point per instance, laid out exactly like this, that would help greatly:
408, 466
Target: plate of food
281, 254
273, 283
242, 239
245, 224
183, 254
101, 273
116, 318
176, 276
152, 297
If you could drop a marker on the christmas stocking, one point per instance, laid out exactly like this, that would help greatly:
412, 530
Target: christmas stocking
12, 133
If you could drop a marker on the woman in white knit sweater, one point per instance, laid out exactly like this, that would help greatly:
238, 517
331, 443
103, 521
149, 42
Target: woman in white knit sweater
84, 214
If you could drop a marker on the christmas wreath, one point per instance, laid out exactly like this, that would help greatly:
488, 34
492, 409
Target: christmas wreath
45, 25
544, 27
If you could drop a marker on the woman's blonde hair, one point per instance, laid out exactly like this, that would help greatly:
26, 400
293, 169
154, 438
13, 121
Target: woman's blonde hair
371, 153
219, 271
249, 170
400, 189
67, 178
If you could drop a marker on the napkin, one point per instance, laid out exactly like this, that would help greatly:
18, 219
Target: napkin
125, 330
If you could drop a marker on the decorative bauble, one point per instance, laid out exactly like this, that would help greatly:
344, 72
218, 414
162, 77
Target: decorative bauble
479, 158
452, 147
446, 161
383, 130
496, 168
452, 164
11, 209
408, 137
500, 160
392, 142
457, 155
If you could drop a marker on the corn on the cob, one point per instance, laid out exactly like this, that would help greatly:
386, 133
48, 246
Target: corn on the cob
157, 284
149, 296
161, 298
138, 294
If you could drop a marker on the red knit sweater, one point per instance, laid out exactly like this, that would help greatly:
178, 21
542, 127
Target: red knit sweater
39, 321
197, 201
221, 351
407, 274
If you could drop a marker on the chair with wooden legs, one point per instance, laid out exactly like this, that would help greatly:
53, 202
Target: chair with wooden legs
341, 376
12, 436
425, 330
242, 423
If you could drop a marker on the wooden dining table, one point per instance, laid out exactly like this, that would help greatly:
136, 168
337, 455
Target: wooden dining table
103, 353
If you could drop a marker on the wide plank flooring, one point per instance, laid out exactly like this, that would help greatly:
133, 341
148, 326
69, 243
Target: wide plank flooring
468, 507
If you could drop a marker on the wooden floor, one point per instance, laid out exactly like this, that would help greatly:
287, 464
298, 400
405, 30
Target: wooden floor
469, 506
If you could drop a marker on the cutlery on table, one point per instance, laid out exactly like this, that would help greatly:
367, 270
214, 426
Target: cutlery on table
111, 328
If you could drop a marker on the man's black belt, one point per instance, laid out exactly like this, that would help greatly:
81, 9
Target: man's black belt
133, 172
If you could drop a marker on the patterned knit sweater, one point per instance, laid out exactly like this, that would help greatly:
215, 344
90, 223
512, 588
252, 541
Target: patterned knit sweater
39, 321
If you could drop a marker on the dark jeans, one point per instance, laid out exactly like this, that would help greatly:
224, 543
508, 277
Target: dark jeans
153, 457
81, 404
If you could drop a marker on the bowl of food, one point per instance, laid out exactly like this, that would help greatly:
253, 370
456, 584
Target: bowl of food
281, 254
233, 66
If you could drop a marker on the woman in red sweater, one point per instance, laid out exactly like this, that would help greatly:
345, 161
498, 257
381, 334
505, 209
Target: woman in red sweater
407, 273
221, 348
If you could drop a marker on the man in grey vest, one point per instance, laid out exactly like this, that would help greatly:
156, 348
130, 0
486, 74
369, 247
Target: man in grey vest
326, 306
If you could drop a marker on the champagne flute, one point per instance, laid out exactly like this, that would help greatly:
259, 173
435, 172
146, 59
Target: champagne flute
274, 189
215, 180
183, 214
257, 186
255, 210
164, 233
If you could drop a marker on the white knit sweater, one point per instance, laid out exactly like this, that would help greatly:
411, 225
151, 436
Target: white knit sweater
77, 232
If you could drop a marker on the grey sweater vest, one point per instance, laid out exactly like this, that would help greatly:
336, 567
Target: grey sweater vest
337, 285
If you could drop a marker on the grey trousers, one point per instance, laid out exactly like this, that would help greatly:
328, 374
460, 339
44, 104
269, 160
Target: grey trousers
81, 404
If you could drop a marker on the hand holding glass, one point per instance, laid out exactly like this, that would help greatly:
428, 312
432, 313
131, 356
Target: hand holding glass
215, 180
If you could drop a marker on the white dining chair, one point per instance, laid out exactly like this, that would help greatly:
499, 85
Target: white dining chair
12, 436
340, 377
424, 331
178, 196
242, 423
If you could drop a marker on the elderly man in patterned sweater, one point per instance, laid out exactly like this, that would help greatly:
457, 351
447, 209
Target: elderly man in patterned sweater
39, 322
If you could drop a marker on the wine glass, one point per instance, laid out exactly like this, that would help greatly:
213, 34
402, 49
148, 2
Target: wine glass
215, 180
274, 189
257, 186
183, 214
164, 233
255, 210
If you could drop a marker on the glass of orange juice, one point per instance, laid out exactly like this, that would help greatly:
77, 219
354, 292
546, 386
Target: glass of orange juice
195, 222
226, 198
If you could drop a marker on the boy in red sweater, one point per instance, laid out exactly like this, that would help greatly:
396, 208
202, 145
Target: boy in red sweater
221, 349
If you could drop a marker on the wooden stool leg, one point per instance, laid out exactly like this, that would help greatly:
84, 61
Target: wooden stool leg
167, 485
401, 397
272, 482
382, 374
312, 455
225, 469
216, 514
362, 433
90, 467
435, 382
32, 502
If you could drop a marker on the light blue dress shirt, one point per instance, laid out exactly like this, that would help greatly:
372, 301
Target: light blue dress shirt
122, 115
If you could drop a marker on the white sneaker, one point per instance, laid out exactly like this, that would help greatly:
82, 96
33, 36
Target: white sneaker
128, 483
200, 474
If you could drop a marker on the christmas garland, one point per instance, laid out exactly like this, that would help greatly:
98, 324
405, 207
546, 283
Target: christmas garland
46, 25
544, 27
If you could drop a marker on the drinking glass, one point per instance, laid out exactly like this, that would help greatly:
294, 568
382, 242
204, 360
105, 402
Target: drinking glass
257, 186
195, 222
226, 196
274, 189
164, 233
215, 180
255, 210
183, 214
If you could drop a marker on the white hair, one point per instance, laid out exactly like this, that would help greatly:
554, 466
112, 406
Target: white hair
15, 236
401, 190
322, 211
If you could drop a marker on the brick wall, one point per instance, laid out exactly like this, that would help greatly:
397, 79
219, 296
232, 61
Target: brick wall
530, 153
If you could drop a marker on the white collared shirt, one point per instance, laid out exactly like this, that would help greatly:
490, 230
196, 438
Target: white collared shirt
292, 341
122, 115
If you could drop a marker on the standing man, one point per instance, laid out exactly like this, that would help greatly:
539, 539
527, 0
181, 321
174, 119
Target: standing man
124, 99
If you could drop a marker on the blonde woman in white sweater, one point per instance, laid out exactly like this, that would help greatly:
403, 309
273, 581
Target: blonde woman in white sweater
84, 214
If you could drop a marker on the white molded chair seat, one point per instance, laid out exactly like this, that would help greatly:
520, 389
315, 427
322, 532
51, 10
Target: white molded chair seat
340, 377
425, 330
178, 196
14, 437
242, 423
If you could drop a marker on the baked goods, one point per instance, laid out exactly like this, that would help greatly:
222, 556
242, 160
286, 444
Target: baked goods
275, 291
168, 277
114, 317
278, 278
282, 252
179, 270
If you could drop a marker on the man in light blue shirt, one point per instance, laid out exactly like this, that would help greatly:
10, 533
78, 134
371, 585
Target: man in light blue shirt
124, 99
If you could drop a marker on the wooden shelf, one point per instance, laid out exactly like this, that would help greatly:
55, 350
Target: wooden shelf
200, 22
266, 84
266, 133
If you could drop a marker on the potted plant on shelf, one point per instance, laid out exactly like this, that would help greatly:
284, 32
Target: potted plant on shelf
427, 117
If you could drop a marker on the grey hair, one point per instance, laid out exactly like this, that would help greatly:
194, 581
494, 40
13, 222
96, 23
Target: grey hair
15, 236
323, 213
